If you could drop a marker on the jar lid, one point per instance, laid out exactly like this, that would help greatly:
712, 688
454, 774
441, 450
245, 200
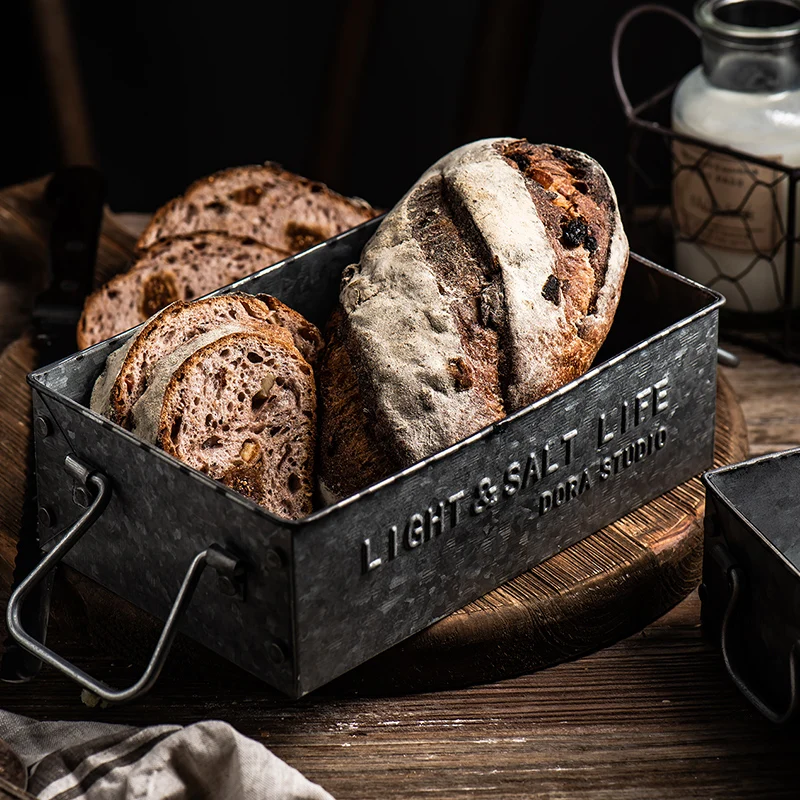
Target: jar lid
750, 23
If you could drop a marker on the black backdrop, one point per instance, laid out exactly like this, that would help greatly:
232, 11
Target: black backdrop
362, 94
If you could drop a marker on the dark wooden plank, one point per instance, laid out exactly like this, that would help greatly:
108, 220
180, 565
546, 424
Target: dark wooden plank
497, 72
60, 66
651, 717
345, 84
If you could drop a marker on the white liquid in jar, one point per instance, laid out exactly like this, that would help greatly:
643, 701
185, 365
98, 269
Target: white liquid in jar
723, 255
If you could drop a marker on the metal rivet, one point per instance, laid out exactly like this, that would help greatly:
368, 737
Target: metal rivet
46, 517
80, 496
43, 427
273, 559
227, 586
276, 653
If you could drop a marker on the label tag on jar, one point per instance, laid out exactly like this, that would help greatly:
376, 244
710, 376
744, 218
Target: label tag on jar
726, 202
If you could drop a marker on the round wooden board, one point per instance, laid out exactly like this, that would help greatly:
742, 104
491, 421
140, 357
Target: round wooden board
598, 591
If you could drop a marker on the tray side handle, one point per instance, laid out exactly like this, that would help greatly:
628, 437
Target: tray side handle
228, 566
735, 580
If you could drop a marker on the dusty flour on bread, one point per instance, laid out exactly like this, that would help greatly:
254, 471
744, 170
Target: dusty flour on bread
499, 202
398, 302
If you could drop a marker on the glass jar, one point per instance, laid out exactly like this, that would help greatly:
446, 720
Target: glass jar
730, 215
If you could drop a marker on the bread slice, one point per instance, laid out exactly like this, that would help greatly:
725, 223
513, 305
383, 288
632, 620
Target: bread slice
128, 370
178, 268
492, 283
240, 406
267, 203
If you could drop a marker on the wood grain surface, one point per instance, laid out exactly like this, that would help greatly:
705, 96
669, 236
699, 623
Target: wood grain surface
654, 716
769, 393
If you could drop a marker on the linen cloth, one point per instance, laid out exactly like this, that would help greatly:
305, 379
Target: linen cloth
97, 761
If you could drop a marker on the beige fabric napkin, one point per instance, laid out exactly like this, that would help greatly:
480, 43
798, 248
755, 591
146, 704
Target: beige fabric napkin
95, 761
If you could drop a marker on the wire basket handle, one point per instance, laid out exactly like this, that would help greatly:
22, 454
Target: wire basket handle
619, 31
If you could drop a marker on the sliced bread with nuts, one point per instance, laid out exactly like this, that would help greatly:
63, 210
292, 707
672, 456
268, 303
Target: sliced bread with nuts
178, 268
492, 283
239, 406
128, 370
267, 203
225, 385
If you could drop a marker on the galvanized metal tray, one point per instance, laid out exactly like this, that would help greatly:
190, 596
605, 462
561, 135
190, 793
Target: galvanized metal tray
298, 603
751, 578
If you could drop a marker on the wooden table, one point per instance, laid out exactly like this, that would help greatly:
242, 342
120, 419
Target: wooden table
653, 716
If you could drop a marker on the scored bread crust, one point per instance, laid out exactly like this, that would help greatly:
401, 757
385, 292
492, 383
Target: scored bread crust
265, 452
266, 202
177, 268
125, 377
541, 226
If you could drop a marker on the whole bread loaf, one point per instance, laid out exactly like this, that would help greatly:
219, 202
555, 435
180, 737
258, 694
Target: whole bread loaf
177, 268
493, 282
226, 385
278, 208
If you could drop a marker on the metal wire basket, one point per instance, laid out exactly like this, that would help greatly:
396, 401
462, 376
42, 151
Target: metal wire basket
657, 156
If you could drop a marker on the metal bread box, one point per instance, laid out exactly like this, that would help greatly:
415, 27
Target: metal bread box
751, 577
298, 603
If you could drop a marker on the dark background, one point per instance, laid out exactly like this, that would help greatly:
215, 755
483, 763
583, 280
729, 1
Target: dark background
363, 94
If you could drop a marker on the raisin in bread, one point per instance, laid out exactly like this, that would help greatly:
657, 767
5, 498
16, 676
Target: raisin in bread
178, 268
267, 203
493, 282
128, 370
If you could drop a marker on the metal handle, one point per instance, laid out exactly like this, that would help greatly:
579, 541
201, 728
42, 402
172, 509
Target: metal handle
726, 358
735, 580
227, 565
622, 25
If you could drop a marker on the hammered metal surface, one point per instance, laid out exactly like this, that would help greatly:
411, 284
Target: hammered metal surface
355, 578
